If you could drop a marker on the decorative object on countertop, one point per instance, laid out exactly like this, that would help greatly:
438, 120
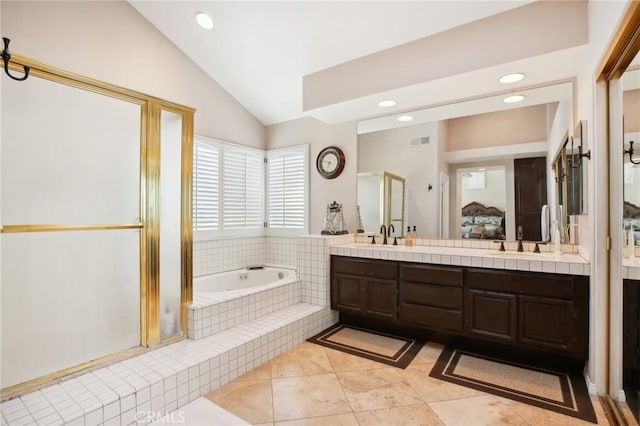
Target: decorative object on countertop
384, 348
544, 223
557, 248
360, 225
334, 220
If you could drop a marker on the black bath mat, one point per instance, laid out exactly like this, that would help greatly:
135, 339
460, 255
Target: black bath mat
385, 348
552, 390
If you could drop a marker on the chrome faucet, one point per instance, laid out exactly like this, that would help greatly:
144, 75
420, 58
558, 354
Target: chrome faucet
383, 231
519, 238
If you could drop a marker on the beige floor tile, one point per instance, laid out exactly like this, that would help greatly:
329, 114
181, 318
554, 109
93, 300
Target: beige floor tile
306, 359
337, 420
341, 361
428, 354
263, 424
262, 372
477, 411
380, 388
412, 415
431, 389
249, 400
308, 396
540, 416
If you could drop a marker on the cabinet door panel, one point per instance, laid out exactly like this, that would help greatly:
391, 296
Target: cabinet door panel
546, 322
347, 293
492, 315
380, 298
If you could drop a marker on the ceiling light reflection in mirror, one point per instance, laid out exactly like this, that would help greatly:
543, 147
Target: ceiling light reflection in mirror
533, 96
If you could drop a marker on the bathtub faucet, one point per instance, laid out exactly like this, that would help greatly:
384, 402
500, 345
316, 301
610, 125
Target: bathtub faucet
254, 267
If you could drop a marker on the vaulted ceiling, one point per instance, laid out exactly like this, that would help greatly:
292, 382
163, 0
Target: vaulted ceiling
285, 60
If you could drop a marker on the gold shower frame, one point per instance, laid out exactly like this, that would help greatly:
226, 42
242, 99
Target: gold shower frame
149, 225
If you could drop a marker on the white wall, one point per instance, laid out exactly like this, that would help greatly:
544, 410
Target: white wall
492, 195
604, 19
323, 191
500, 128
111, 41
392, 151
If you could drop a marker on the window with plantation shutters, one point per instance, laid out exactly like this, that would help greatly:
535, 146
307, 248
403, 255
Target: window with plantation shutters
287, 189
206, 185
243, 187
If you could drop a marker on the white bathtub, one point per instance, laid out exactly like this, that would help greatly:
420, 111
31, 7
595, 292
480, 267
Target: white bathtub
242, 279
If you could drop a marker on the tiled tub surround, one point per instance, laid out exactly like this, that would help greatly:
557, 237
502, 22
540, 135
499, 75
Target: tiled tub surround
226, 254
213, 313
167, 378
313, 265
482, 254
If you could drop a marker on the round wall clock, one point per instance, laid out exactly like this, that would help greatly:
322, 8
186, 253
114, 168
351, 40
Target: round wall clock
330, 162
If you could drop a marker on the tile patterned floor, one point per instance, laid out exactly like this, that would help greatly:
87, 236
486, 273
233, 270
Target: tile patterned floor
313, 385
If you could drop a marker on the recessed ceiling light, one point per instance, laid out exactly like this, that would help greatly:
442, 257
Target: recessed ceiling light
513, 99
405, 118
386, 103
204, 20
511, 78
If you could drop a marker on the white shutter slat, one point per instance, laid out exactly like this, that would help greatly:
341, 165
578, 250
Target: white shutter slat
286, 173
206, 166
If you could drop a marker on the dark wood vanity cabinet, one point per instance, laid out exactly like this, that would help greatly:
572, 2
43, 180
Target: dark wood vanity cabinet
530, 310
543, 311
364, 287
491, 315
431, 296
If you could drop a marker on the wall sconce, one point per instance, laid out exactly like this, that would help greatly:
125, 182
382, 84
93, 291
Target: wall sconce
577, 163
6, 58
630, 152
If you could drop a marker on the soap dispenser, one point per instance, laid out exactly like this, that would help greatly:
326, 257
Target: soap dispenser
408, 239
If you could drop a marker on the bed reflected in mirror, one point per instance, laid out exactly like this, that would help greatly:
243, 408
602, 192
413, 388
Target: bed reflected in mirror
484, 202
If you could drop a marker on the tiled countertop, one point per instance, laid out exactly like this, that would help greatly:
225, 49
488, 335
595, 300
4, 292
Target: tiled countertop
565, 263
631, 268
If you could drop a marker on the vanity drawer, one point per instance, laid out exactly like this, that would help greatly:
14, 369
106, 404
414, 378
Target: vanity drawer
364, 267
431, 274
531, 283
431, 317
440, 296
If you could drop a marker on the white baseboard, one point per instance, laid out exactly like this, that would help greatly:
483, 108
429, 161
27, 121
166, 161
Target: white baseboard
591, 387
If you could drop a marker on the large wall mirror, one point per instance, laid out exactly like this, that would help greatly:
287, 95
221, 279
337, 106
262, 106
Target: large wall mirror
481, 168
630, 85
